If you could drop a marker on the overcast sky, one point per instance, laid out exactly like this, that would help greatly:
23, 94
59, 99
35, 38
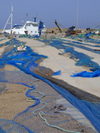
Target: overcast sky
64, 11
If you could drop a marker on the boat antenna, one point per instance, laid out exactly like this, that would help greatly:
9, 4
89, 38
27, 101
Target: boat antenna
10, 17
35, 18
26, 16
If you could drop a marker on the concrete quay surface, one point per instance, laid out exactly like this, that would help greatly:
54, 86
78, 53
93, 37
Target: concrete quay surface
66, 65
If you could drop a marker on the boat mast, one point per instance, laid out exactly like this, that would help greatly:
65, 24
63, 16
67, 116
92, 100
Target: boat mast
10, 17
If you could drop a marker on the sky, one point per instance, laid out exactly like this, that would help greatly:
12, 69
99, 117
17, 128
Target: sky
64, 11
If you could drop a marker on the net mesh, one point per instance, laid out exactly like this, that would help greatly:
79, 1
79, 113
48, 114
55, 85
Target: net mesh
81, 59
43, 91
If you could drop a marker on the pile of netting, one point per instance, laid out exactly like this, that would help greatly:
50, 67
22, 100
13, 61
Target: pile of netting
85, 37
80, 58
43, 115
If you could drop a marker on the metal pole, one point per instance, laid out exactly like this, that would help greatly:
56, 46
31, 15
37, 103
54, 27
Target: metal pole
11, 18
77, 14
6, 23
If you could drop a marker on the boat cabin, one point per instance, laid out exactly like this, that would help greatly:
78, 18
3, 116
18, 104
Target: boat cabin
32, 28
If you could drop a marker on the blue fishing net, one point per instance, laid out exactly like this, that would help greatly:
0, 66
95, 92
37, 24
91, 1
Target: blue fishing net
86, 38
87, 74
82, 58
26, 120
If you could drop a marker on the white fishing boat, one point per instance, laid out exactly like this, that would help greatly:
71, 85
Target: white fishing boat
29, 28
17, 29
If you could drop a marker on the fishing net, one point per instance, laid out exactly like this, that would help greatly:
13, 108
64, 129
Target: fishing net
30, 120
44, 114
81, 59
85, 38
